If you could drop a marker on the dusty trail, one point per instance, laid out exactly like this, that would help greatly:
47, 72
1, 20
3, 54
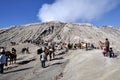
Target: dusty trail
33, 71
74, 65
91, 65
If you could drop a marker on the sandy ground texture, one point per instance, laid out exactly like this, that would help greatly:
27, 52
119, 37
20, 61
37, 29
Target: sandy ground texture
28, 67
73, 65
91, 65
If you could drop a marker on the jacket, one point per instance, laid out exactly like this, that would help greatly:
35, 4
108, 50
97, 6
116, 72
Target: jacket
2, 59
43, 56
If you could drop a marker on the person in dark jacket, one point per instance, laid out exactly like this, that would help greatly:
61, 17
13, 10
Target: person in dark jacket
107, 44
111, 52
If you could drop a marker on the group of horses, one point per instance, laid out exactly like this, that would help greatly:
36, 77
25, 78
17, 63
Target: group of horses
48, 51
80, 45
11, 56
85, 45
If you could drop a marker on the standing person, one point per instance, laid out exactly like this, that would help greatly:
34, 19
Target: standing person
52, 29
50, 53
13, 50
111, 52
14, 54
53, 48
43, 59
2, 61
107, 44
104, 52
86, 46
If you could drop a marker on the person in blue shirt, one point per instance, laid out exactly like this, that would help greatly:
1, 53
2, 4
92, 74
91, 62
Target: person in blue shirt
2, 61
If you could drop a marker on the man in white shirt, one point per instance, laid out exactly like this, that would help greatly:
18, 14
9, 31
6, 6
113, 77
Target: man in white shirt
43, 59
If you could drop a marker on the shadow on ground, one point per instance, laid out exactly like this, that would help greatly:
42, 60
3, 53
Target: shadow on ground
18, 70
59, 58
26, 61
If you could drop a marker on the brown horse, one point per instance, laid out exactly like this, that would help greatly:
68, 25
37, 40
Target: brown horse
64, 46
46, 51
101, 44
84, 45
49, 52
11, 56
79, 45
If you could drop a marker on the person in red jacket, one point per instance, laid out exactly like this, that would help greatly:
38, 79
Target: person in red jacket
104, 52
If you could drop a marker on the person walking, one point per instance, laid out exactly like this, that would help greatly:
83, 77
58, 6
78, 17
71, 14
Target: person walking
2, 61
43, 59
107, 45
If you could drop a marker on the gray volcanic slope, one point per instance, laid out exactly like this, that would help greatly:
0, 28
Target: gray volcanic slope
76, 64
67, 32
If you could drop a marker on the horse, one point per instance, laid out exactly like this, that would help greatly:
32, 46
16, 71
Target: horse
101, 44
46, 51
27, 41
25, 50
49, 52
13, 43
64, 46
82, 45
39, 51
12, 56
79, 45
70, 46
